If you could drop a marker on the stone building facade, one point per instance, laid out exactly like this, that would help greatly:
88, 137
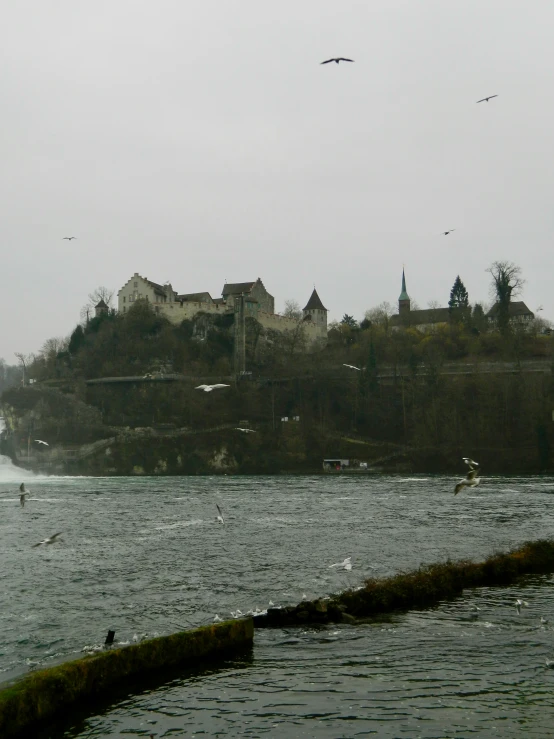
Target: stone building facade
258, 304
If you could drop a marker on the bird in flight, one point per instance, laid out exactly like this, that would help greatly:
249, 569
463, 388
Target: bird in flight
49, 540
445, 233
470, 462
219, 518
246, 431
40, 441
472, 478
345, 565
519, 604
351, 366
22, 494
209, 388
486, 100
68, 238
337, 59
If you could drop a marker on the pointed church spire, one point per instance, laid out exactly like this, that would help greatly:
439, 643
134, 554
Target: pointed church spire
403, 295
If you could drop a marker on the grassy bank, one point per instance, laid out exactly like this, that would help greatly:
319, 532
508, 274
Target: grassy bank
40, 695
424, 587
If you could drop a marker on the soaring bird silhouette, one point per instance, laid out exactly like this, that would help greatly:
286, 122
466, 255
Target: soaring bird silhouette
445, 233
40, 441
219, 517
486, 100
68, 238
209, 388
337, 59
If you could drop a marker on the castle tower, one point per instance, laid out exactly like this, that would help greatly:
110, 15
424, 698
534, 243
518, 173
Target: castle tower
404, 299
100, 308
316, 312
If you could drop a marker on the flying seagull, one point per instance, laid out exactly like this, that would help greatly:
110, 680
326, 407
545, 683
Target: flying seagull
245, 431
50, 540
472, 479
40, 441
486, 100
68, 238
445, 233
209, 388
337, 59
22, 494
345, 565
219, 518
519, 604
351, 366
471, 462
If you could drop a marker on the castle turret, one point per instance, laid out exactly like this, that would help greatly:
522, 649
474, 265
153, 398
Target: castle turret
404, 299
315, 311
100, 308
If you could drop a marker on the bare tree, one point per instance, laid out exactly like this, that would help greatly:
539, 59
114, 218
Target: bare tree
507, 282
433, 304
292, 310
379, 316
101, 293
24, 360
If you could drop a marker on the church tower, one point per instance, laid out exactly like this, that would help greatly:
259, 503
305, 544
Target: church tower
404, 299
316, 312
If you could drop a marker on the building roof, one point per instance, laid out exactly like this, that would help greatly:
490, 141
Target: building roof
101, 304
196, 298
314, 302
404, 295
516, 309
425, 316
235, 288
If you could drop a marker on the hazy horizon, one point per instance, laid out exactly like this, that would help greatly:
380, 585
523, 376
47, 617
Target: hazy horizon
204, 143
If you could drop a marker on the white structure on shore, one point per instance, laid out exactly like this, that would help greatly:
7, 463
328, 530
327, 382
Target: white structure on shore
258, 304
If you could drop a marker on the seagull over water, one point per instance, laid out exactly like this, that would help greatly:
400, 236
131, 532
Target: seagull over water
337, 59
245, 431
519, 604
209, 388
219, 518
345, 565
22, 494
472, 478
40, 441
471, 462
486, 100
351, 366
50, 540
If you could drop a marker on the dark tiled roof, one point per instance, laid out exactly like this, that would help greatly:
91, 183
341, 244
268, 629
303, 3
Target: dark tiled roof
517, 308
420, 317
314, 302
196, 298
101, 304
235, 288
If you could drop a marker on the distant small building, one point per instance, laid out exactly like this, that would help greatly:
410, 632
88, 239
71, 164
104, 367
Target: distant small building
100, 308
518, 312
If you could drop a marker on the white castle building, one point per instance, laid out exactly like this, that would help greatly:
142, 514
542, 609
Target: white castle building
258, 304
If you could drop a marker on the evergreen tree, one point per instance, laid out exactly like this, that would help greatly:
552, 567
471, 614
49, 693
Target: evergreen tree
458, 305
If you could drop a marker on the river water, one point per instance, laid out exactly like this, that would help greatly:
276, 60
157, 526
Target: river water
145, 556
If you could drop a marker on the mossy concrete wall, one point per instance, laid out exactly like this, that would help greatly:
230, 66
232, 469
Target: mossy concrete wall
418, 589
39, 696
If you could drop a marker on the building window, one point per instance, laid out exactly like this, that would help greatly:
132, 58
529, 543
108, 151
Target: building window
124, 309
135, 284
124, 298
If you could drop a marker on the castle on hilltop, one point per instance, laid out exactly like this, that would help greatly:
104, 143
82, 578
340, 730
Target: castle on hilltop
255, 302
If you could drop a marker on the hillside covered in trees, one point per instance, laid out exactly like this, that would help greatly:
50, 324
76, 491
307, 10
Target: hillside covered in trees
418, 399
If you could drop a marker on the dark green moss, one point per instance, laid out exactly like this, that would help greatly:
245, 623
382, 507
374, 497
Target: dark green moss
40, 695
424, 587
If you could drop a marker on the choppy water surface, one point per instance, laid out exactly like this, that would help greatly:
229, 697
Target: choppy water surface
146, 556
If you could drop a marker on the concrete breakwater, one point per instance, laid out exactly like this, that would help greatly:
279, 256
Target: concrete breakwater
424, 587
39, 696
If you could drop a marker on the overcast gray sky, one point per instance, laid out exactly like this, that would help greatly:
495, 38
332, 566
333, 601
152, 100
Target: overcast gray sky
199, 142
